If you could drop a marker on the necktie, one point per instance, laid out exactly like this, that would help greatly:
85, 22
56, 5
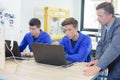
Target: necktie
105, 34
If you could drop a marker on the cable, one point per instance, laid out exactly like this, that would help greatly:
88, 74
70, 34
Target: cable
11, 44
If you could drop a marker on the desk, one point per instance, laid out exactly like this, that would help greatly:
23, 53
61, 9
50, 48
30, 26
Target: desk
31, 70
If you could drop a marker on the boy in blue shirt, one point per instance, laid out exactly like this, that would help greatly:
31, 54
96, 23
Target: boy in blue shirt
77, 45
35, 35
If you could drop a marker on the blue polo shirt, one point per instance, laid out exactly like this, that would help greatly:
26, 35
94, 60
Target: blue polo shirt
81, 50
28, 39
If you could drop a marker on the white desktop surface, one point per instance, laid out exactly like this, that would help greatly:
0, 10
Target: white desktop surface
31, 70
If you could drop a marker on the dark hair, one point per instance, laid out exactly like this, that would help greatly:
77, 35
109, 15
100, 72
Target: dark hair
107, 6
35, 22
69, 21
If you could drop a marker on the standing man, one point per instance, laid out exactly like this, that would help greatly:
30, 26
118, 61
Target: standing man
108, 49
77, 45
35, 35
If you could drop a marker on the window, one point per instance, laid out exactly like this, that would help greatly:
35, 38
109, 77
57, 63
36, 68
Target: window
88, 15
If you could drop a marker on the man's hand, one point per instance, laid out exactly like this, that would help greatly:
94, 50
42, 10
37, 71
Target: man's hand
90, 71
26, 53
55, 43
92, 63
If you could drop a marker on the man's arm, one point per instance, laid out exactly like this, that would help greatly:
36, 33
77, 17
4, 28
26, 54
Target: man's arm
111, 52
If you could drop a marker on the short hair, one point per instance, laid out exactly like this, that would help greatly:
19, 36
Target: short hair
35, 22
107, 6
69, 21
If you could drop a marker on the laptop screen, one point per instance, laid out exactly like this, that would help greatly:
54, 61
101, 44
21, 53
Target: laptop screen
49, 54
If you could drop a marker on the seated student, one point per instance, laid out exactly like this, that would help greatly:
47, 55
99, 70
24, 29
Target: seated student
35, 35
77, 45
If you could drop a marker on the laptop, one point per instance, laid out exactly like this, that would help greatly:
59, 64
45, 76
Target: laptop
12, 50
50, 54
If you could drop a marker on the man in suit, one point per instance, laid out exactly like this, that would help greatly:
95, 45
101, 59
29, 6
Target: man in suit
108, 49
